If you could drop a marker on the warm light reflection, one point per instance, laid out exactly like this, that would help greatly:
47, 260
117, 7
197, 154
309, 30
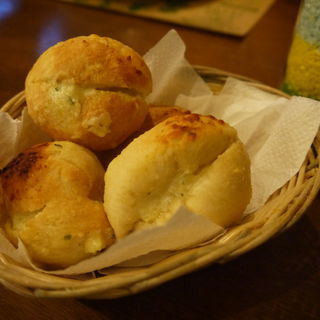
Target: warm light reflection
7, 7
51, 33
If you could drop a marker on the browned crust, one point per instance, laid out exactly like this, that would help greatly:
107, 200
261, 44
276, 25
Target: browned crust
15, 174
188, 126
104, 63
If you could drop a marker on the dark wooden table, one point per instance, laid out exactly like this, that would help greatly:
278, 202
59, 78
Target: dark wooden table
278, 280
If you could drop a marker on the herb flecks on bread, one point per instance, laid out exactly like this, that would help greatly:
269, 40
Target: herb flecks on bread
90, 90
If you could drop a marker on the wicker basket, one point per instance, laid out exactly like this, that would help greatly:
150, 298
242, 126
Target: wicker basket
283, 209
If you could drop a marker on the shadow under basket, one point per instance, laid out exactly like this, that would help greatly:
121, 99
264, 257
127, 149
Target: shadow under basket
281, 211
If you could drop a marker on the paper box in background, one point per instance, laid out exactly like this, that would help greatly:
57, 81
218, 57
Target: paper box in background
235, 17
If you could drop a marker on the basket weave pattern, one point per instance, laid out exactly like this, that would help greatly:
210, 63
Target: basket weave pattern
282, 210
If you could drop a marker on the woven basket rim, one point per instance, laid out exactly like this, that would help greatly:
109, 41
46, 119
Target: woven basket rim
281, 211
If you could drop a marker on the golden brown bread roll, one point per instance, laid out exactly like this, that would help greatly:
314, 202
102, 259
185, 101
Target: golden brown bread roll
89, 90
53, 202
191, 160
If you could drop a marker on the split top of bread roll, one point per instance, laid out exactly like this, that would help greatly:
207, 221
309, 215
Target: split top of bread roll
89, 90
52, 201
187, 160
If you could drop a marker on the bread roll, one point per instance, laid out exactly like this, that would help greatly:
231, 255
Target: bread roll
191, 160
89, 90
53, 202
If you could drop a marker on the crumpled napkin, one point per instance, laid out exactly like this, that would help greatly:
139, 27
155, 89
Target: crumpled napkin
17, 135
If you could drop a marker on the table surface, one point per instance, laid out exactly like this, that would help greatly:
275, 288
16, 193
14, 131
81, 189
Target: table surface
278, 280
